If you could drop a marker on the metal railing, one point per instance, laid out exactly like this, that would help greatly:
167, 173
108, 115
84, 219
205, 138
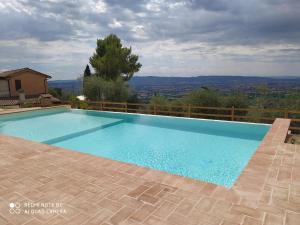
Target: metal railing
222, 113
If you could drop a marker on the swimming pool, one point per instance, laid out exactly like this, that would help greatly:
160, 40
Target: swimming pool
207, 150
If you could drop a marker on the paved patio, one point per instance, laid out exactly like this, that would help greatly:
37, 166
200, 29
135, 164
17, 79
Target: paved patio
92, 190
19, 110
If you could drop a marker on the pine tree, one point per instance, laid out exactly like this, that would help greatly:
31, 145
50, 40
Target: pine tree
112, 60
87, 71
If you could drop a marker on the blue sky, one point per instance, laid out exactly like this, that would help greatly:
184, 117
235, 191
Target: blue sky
172, 37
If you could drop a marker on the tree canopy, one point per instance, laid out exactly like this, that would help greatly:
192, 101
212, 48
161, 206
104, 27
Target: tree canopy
111, 60
99, 89
203, 97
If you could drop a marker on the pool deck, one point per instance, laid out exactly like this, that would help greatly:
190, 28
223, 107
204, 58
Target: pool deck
19, 110
95, 190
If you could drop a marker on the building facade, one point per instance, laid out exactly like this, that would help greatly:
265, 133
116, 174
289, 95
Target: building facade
30, 82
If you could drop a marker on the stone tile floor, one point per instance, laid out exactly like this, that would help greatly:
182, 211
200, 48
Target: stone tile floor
94, 190
19, 110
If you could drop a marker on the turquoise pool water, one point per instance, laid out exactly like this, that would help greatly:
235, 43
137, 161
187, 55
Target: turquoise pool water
207, 150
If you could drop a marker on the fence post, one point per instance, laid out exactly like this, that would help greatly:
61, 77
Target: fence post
101, 106
286, 114
232, 113
189, 110
154, 109
126, 107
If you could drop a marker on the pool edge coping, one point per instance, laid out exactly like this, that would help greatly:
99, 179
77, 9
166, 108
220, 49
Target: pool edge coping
177, 117
31, 109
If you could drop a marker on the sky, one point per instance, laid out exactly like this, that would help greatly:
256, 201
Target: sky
171, 37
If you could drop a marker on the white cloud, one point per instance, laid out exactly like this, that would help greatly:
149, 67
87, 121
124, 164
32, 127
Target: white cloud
115, 24
172, 37
101, 6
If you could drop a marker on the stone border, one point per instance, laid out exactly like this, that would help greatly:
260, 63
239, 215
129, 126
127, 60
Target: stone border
19, 110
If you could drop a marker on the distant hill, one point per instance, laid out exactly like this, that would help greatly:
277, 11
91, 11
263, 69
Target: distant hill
174, 87
73, 86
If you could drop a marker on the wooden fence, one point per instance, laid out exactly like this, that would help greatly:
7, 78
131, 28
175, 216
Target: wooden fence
234, 114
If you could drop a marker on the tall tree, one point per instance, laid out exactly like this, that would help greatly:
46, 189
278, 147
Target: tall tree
87, 71
111, 60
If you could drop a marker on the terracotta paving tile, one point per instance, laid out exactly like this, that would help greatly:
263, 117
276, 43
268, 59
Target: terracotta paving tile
284, 174
292, 218
185, 206
244, 210
221, 207
271, 219
286, 205
70, 211
265, 197
72, 190
99, 218
141, 171
79, 219
172, 198
154, 190
190, 185
118, 194
129, 222
131, 202
12, 218
99, 196
152, 220
208, 189
33, 222
280, 193
34, 195
295, 189
165, 209
251, 221
138, 191
271, 209
209, 219
225, 222
3, 221
141, 214
110, 205
294, 199
188, 195
121, 215
81, 197
86, 207
12, 197
168, 188
148, 199
205, 204
95, 190
178, 219
43, 179
125, 182
57, 220
234, 218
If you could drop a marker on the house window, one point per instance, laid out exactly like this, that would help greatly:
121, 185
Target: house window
18, 84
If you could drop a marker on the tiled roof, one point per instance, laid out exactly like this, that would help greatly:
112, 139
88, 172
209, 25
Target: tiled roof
14, 72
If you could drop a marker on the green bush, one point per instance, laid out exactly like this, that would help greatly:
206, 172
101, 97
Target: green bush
55, 92
97, 89
27, 105
83, 105
203, 97
74, 101
160, 102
